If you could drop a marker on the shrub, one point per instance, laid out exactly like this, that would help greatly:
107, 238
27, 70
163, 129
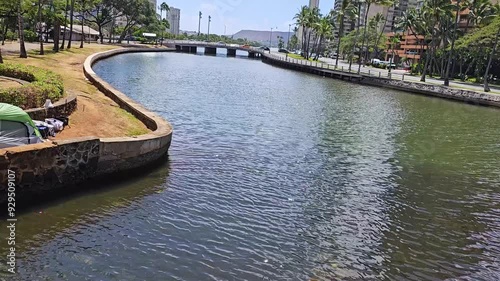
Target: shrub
43, 85
30, 36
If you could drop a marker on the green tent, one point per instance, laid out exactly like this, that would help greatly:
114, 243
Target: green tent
16, 127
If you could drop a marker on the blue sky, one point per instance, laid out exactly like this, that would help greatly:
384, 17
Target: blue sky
236, 15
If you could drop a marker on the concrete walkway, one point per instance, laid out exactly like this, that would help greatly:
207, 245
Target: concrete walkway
399, 75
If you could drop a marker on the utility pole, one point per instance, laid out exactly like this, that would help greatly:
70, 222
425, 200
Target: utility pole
208, 33
199, 23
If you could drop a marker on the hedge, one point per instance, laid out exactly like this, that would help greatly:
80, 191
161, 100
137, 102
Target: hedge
43, 85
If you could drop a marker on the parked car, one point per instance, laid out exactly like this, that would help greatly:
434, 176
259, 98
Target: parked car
283, 51
246, 46
264, 48
221, 43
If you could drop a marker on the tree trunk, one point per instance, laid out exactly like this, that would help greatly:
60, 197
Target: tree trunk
65, 23
22, 47
341, 30
71, 18
82, 39
356, 38
428, 57
376, 50
1, 58
57, 33
101, 37
364, 35
40, 36
493, 51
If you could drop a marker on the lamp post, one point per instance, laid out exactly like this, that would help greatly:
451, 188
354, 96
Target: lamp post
271, 39
288, 40
208, 33
199, 23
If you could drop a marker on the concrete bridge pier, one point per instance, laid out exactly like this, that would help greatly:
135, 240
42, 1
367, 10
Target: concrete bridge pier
210, 51
231, 52
193, 49
177, 48
186, 49
251, 55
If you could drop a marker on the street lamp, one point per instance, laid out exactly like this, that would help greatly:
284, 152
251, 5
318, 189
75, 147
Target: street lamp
271, 38
199, 24
288, 40
208, 33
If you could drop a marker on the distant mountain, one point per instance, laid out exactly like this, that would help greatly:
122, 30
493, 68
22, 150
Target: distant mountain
261, 36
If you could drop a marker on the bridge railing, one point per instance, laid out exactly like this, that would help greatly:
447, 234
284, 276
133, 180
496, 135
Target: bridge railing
327, 66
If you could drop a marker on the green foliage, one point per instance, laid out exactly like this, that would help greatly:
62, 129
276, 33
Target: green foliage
30, 36
44, 85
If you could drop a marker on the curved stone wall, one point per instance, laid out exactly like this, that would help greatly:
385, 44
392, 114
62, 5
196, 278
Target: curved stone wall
46, 168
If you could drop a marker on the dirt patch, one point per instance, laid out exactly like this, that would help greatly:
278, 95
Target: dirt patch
97, 115
7, 83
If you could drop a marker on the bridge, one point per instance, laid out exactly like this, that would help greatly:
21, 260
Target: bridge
188, 46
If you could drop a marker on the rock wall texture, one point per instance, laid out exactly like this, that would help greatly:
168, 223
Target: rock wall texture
63, 107
46, 168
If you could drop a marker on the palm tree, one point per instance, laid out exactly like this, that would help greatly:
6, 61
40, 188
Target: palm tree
346, 9
65, 23
324, 31
393, 41
164, 7
312, 24
71, 12
478, 9
453, 38
493, 51
436, 12
358, 16
368, 4
20, 22
374, 24
1, 58
410, 20
301, 18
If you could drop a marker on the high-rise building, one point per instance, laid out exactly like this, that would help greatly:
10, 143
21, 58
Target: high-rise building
174, 19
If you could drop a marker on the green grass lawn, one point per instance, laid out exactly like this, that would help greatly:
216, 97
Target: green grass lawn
298, 57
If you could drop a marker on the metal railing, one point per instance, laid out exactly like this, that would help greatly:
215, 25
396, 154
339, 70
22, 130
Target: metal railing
327, 66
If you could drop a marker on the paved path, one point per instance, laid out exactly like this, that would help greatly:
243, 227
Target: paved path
400, 74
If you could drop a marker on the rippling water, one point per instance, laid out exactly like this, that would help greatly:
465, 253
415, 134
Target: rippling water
279, 175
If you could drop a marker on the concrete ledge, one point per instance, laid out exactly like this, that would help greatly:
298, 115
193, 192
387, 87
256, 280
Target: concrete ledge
412, 87
50, 167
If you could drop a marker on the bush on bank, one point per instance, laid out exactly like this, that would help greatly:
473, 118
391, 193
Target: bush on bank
43, 85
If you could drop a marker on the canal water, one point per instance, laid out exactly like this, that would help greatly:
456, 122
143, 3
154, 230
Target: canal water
280, 175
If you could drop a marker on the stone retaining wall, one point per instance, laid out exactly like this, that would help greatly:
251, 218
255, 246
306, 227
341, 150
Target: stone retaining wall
63, 107
413, 87
44, 169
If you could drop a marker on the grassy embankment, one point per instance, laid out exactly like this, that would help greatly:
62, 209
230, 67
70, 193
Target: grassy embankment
97, 115
298, 57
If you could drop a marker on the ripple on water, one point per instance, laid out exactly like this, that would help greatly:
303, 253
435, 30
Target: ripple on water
277, 175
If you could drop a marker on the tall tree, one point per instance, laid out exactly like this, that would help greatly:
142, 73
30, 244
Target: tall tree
71, 18
347, 9
492, 54
20, 20
40, 20
82, 37
368, 4
65, 24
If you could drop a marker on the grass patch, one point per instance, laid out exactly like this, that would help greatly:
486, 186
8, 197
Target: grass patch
43, 85
298, 57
